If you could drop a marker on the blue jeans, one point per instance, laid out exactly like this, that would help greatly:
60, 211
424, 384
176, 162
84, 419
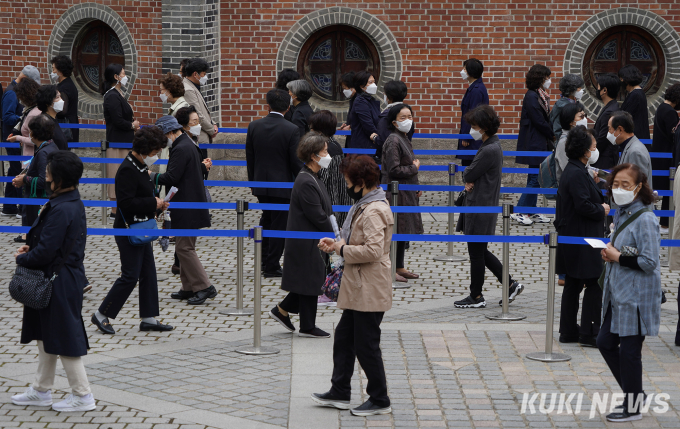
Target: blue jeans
529, 200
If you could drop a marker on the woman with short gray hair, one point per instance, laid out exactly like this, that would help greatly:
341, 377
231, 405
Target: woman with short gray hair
300, 91
571, 87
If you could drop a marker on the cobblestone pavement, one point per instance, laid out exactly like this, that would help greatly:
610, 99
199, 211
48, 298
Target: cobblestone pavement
446, 367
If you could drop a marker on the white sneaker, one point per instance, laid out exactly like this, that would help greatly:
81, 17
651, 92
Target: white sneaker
663, 230
539, 218
75, 403
523, 220
33, 397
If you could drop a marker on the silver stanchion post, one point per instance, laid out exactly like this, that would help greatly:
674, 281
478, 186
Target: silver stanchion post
257, 348
2, 172
241, 206
549, 356
394, 189
450, 257
505, 315
105, 195
671, 204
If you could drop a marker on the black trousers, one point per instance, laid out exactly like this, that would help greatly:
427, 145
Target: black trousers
591, 314
30, 214
357, 336
304, 305
136, 263
401, 250
480, 259
624, 358
272, 248
465, 162
10, 191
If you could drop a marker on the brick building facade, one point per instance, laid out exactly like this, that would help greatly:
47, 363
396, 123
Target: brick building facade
420, 42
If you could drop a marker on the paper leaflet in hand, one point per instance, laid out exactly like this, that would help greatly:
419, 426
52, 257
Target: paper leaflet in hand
25, 165
171, 193
336, 230
595, 243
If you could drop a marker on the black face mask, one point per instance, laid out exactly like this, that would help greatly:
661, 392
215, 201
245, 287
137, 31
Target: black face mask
48, 188
597, 94
356, 196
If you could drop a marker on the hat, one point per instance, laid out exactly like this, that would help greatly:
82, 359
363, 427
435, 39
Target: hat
168, 124
32, 72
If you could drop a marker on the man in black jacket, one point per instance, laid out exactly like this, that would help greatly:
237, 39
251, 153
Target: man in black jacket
186, 173
271, 156
607, 91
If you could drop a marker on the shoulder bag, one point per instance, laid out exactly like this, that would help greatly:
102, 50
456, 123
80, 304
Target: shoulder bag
140, 240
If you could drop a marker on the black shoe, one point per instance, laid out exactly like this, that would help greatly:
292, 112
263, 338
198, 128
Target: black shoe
200, 296
515, 289
103, 326
314, 333
370, 409
112, 216
182, 294
275, 273
663, 297
623, 416
587, 340
144, 326
175, 269
566, 339
328, 400
19, 239
283, 320
470, 302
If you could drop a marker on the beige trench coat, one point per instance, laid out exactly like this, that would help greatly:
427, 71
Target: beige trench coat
194, 97
367, 278
674, 255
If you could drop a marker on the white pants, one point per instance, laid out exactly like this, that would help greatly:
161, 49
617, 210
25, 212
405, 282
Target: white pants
75, 372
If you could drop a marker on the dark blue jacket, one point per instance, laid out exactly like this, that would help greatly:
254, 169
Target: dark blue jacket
535, 129
363, 118
475, 95
11, 111
384, 132
61, 224
36, 171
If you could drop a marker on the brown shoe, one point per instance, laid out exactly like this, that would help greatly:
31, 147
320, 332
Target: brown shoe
408, 274
399, 278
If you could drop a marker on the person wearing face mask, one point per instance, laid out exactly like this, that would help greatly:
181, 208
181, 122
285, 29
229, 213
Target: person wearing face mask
636, 100
137, 202
62, 68
475, 94
483, 186
41, 129
607, 91
621, 133
49, 101
365, 113
581, 212
571, 88
300, 92
347, 85
395, 93
172, 92
631, 283
305, 268
571, 115
285, 76
400, 163
535, 134
120, 122
26, 91
665, 121
195, 77
185, 172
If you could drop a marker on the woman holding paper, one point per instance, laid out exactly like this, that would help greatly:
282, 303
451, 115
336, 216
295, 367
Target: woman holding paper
580, 212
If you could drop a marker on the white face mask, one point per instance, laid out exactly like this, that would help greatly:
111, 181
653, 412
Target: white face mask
164, 97
464, 74
347, 92
203, 80
623, 197
170, 142
149, 160
546, 84
594, 156
404, 126
124, 81
195, 130
58, 106
180, 75
477, 135
372, 88
579, 94
324, 161
612, 138
385, 98
54, 76
583, 122
291, 101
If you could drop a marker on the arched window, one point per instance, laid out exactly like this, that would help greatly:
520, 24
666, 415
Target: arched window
96, 46
622, 45
333, 51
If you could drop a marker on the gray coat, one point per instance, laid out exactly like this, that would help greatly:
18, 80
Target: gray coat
561, 159
629, 290
636, 153
485, 173
397, 164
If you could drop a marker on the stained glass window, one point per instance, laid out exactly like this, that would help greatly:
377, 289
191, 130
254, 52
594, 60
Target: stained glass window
96, 47
115, 48
324, 82
353, 51
323, 52
92, 45
92, 73
638, 51
608, 51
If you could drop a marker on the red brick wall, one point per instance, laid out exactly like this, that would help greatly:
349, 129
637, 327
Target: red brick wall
508, 36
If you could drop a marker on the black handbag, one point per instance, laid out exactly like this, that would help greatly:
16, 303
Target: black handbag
460, 201
31, 288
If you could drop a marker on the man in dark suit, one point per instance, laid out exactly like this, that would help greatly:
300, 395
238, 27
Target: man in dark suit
607, 90
271, 156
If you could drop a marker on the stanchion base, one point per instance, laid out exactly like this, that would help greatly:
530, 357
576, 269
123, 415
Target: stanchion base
664, 263
450, 258
399, 285
233, 311
257, 351
505, 316
548, 357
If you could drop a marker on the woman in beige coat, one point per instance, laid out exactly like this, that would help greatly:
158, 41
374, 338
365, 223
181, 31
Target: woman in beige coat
366, 289
674, 255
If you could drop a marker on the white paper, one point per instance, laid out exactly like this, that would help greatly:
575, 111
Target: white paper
595, 243
170, 194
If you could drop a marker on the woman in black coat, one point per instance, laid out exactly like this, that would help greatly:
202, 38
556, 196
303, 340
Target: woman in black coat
365, 113
304, 268
62, 68
580, 212
56, 245
300, 92
137, 202
636, 100
535, 134
665, 121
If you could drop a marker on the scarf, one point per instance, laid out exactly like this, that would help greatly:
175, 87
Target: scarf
544, 100
375, 195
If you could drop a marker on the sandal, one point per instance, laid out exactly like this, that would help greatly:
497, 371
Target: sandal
408, 274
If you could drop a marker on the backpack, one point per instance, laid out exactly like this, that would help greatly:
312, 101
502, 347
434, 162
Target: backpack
547, 175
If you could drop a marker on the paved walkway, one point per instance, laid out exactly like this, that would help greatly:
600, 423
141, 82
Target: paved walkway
446, 367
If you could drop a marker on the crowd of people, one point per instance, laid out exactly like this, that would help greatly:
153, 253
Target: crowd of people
293, 143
